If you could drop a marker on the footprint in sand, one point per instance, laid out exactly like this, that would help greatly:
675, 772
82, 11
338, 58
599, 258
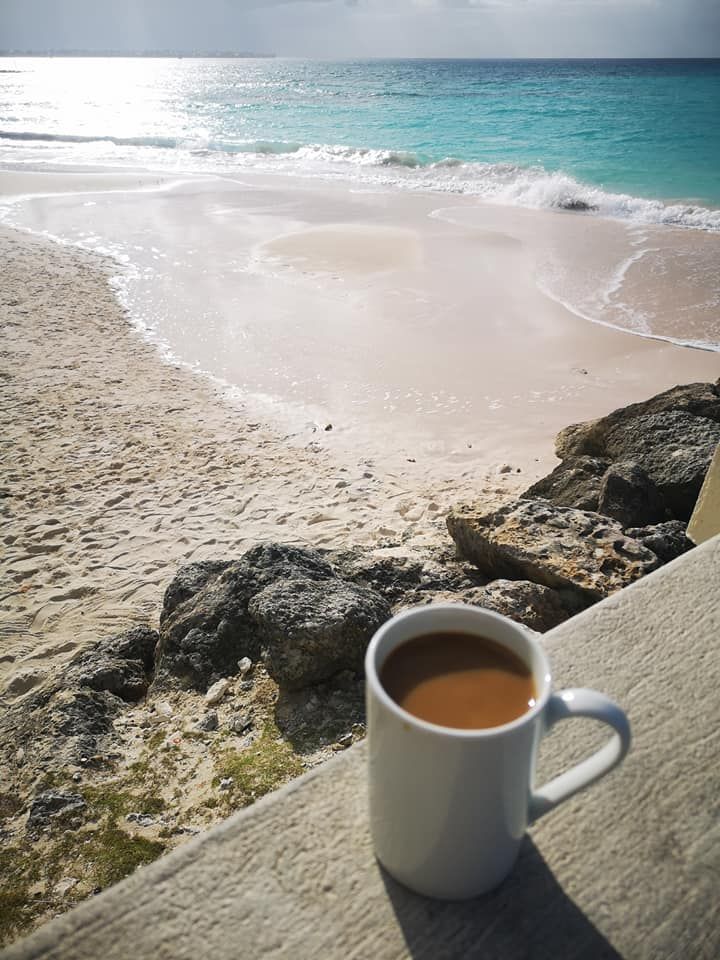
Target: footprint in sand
76, 593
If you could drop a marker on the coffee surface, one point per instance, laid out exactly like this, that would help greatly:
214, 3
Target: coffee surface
458, 680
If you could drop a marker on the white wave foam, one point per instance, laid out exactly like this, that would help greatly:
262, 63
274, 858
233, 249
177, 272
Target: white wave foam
30, 136
360, 156
191, 144
503, 183
537, 188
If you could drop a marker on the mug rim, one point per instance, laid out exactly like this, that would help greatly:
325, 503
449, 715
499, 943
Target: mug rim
372, 676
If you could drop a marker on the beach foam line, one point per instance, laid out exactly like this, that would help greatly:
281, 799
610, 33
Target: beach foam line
9, 199
198, 144
504, 183
707, 346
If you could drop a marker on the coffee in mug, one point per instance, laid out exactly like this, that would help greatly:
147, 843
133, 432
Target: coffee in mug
458, 680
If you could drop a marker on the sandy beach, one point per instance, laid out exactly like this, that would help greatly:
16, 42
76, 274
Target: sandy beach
413, 328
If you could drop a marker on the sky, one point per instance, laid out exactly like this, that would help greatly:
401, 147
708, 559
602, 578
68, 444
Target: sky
371, 28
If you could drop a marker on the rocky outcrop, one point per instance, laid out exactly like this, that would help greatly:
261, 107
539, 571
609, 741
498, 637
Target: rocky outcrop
638, 470
51, 806
589, 439
576, 205
641, 465
69, 720
559, 547
188, 581
404, 580
666, 540
284, 605
307, 619
312, 629
409, 581
673, 448
121, 665
83, 716
535, 606
204, 635
620, 490
57, 727
628, 495
573, 483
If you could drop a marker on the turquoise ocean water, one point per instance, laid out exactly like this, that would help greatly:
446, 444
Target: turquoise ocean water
633, 139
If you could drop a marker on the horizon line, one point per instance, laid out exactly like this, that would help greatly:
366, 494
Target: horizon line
250, 55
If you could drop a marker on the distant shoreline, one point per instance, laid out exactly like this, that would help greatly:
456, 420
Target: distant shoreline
149, 54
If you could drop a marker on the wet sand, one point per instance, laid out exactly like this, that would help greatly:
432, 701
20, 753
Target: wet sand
414, 323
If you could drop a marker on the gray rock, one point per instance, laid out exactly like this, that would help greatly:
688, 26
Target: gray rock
573, 483
535, 606
121, 665
203, 637
141, 819
559, 547
697, 399
55, 728
209, 722
77, 725
628, 495
84, 715
666, 540
217, 691
403, 580
674, 449
52, 805
241, 723
312, 630
188, 581
392, 577
125, 678
575, 204
137, 643
198, 658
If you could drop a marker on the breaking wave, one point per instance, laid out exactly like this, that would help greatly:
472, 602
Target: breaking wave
503, 183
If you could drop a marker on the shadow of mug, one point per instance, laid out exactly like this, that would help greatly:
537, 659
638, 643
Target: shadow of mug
528, 917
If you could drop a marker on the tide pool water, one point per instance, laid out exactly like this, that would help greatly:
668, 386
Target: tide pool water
637, 139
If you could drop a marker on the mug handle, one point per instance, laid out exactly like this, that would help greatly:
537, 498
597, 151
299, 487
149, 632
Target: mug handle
581, 702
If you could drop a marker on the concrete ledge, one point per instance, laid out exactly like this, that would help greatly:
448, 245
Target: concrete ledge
629, 869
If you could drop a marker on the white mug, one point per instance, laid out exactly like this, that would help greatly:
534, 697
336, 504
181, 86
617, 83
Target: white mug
449, 807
